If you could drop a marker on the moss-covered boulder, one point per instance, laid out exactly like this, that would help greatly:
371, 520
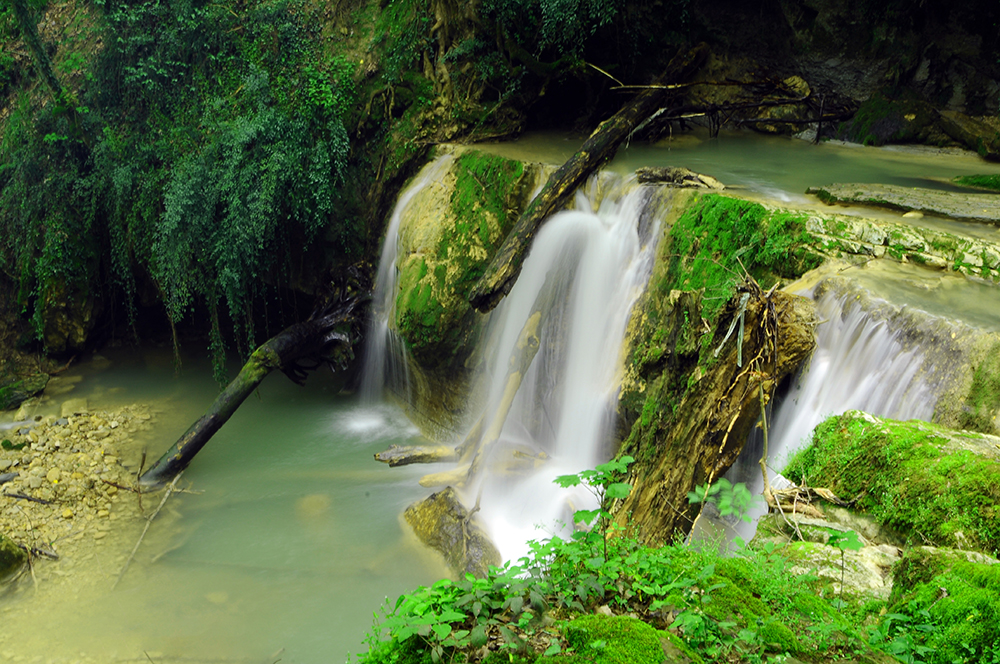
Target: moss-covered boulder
12, 558
441, 522
14, 391
937, 485
604, 639
883, 119
955, 595
448, 235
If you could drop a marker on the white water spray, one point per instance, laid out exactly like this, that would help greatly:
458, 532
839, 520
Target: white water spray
598, 266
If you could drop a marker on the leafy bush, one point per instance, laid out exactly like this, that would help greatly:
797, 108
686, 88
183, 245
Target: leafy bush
206, 150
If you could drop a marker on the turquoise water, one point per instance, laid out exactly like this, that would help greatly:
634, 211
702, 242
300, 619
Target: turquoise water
292, 544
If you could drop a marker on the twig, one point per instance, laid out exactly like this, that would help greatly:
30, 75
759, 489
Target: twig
21, 496
149, 522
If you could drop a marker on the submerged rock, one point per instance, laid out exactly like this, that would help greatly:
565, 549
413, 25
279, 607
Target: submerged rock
441, 522
677, 177
973, 207
12, 558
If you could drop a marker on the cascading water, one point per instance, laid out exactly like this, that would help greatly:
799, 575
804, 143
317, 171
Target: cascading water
597, 264
865, 359
384, 365
592, 264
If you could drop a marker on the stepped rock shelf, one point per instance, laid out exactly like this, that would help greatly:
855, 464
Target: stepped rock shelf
984, 208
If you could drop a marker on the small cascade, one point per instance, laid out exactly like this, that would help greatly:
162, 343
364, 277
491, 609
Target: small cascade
384, 366
593, 259
870, 355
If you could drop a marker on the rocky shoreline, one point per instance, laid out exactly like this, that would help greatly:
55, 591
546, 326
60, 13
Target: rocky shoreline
67, 480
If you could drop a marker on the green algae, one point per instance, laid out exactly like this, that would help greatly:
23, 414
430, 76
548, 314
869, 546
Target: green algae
908, 476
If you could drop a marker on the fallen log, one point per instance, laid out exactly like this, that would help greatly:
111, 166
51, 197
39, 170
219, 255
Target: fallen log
295, 351
404, 455
503, 270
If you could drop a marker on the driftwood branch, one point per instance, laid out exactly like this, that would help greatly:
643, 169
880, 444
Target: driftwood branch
294, 351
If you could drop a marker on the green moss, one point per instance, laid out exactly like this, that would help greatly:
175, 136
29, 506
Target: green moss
432, 310
897, 472
614, 640
982, 403
959, 602
717, 237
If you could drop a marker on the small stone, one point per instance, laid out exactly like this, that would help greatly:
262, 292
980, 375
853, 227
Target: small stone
77, 476
67, 513
111, 490
102, 513
34, 481
5, 464
73, 407
53, 475
100, 534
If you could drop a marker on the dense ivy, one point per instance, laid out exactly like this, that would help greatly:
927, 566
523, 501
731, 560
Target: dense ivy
206, 148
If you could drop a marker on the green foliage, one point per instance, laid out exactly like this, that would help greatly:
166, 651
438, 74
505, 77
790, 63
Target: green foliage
213, 153
748, 608
731, 500
903, 478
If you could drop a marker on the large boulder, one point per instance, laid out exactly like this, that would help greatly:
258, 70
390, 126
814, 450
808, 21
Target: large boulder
933, 484
441, 522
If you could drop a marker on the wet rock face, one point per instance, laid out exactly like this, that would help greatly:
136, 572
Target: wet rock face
441, 522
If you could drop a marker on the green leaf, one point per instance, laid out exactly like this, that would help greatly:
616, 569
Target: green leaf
585, 516
478, 636
442, 631
566, 481
553, 649
618, 490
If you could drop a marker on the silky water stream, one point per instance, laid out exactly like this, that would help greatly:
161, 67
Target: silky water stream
296, 539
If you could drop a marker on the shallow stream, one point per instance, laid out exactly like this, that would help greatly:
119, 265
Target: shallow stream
295, 538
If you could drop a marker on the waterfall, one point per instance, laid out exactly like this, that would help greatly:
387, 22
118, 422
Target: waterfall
592, 264
384, 366
597, 264
870, 355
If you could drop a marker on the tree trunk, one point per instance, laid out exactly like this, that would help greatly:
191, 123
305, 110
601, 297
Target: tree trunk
29, 32
716, 414
503, 271
311, 340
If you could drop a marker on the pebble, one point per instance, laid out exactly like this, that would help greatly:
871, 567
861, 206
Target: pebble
67, 513
53, 475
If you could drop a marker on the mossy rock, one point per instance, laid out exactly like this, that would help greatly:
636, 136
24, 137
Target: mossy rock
917, 478
982, 182
621, 640
449, 233
15, 391
957, 598
442, 523
12, 558
882, 119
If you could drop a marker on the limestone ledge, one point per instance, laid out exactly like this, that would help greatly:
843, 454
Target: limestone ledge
843, 236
